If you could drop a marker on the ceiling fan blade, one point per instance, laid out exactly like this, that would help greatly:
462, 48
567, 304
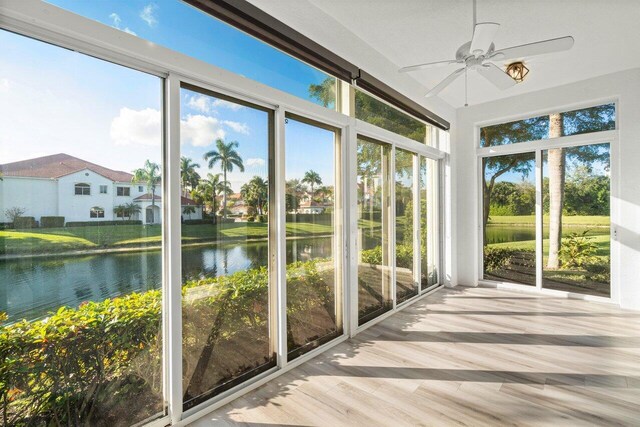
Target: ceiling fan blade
483, 35
532, 49
496, 76
426, 65
444, 83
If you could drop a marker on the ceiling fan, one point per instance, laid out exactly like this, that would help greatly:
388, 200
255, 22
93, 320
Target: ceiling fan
477, 54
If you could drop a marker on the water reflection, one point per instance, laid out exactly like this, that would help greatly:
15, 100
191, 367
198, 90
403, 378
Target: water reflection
30, 287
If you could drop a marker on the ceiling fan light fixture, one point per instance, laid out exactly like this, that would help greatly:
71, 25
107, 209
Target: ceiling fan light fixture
517, 71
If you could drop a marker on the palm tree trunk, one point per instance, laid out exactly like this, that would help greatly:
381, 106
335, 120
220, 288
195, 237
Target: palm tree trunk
556, 165
224, 197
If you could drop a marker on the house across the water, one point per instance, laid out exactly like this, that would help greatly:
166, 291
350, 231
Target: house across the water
78, 190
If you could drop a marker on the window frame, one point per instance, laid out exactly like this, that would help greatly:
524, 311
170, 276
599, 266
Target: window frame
51, 24
103, 187
96, 212
124, 189
538, 146
82, 186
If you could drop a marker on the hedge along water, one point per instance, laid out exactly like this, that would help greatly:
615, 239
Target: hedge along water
34, 286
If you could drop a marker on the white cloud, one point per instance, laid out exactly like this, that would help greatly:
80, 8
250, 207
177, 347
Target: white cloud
207, 104
227, 104
5, 85
115, 18
200, 103
200, 131
148, 14
236, 126
136, 127
252, 162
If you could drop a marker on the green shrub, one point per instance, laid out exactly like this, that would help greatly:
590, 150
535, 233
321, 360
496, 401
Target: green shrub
102, 223
25, 222
577, 250
404, 256
85, 365
52, 221
500, 258
599, 270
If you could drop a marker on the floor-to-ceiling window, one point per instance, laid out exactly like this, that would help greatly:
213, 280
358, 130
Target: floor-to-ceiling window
80, 265
226, 311
407, 284
201, 243
546, 212
374, 228
314, 234
576, 206
430, 223
508, 215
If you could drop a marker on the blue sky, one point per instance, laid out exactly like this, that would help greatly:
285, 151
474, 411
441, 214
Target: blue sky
178, 26
55, 100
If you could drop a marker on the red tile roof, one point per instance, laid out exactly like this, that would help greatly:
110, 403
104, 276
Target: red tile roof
59, 165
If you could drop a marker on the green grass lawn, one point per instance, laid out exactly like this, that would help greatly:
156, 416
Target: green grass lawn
566, 220
113, 236
603, 242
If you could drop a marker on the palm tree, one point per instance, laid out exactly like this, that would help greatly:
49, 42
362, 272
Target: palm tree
228, 157
188, 210
312, 178
255, 193
149, 174
294, 190
132, 209
120, 211
189, 177
213, 187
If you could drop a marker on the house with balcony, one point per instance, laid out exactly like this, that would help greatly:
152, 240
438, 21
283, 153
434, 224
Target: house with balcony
78, 190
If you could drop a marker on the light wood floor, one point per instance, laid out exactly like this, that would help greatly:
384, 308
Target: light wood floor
465, 356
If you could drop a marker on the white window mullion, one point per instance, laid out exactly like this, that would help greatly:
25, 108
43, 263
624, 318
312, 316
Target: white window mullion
278, 286
350, 189
539, 220
171, 246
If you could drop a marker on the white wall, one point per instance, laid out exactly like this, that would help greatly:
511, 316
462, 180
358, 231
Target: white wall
37, 196
625, 165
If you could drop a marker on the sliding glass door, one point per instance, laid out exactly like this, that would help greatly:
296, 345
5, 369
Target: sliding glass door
576, 204
508, 218
374, 228
227, 314
407, 285
546, 218
314, 234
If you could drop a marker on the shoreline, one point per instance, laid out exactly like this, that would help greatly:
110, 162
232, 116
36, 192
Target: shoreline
158, 247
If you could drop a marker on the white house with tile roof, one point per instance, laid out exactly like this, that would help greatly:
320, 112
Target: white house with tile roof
63, 185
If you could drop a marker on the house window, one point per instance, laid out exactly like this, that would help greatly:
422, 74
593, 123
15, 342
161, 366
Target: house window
103, 189
140, 189
96, 212
82, 189
123, 191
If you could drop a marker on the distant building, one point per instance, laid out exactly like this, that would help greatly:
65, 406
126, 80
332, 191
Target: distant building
63, 185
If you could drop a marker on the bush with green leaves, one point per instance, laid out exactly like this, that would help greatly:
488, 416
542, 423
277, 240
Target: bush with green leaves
404, 256
500, 258
87, 365
577, 250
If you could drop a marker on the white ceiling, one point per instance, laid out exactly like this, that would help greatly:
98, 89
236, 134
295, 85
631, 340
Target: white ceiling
381, 36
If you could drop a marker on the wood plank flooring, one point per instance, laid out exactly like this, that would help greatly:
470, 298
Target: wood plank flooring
465, 356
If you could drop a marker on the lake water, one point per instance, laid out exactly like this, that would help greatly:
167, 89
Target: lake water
31, 287
518, 233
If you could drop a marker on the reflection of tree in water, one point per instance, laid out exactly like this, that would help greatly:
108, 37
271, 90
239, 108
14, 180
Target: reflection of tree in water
257, 254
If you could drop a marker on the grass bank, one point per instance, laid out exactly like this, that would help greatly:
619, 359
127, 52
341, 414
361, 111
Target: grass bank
52, 240
596, 221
